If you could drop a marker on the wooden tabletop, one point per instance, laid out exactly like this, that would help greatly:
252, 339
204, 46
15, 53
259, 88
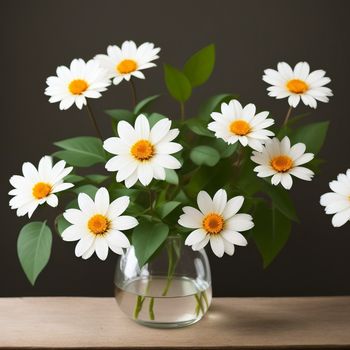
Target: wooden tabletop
231, 323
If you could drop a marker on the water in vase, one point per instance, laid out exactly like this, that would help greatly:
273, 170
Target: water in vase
156, 302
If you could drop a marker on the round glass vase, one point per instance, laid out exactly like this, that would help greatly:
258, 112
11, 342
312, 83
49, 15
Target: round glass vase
172, 290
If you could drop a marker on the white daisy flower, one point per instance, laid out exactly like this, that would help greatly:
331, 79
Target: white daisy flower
216, 222
142, 153
236, 123
338, 201
97, 225
75, 84
38, 186
279, 160
128, 61
298, 84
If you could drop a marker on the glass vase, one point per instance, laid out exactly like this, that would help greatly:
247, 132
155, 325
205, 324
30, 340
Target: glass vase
172, 290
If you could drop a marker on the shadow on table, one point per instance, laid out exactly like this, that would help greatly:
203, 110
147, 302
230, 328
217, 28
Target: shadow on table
257, 321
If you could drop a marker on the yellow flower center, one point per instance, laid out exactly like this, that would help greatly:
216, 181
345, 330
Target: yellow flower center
142, 150
282, 163
213, 223
240, 127
41, 190
98, 224
77, 86
126, 66
297, 86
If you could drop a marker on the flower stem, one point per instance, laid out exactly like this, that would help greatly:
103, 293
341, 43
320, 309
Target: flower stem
182, 111
150, 309
93, 121
133, 92
287, 116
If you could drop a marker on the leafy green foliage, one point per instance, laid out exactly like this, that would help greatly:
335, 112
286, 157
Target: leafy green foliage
34, 248
97, 178
166, 208
154, 118
81, 151
144, 104
281, 200
271, 232
171, 177
313, 135
199, 66
177, 83
213, 105
147, 237
205, 155
61, 224
72, 178
90, 190
199, 127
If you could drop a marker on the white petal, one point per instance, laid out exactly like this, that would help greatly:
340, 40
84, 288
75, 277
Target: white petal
195, 237
86, 204
189, 221
84, 244
341, 218
102, 201
142, 127
118, 206
116, 238
234, 237
217, 245
101, 248
205, 203
219, 201
286, 181
124, 222
52, 200
240, 222
233, 206
71, 233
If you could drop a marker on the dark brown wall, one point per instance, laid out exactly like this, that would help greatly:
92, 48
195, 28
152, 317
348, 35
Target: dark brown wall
250, 36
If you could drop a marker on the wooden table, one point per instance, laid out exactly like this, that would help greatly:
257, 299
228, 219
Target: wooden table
231, 323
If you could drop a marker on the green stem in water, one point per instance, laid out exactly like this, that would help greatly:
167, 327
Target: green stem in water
150, 309
199, 303
138, 306
204, 295
93, 120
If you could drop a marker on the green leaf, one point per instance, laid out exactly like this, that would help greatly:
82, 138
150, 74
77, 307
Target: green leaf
166, 208
199, 127
121, 114
281, 200
199, 66
144, 104
90, 190
270, 233
313, 135
177, 83
205, 155
61, 224
171, 177
34, 248
154, 118
223, 148
81, 151
213, 104
97, 178
147, 237
72, 178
